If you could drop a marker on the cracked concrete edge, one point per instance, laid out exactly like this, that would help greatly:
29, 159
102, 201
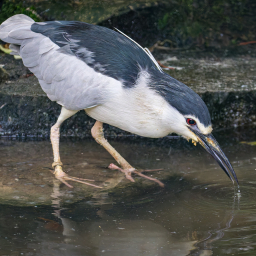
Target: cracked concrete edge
22, 115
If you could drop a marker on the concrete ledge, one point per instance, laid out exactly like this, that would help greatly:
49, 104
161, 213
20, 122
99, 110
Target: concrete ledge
26, 110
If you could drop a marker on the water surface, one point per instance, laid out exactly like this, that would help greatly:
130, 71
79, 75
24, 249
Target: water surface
197, 213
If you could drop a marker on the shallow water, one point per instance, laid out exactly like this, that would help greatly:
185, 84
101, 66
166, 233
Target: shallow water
197, 213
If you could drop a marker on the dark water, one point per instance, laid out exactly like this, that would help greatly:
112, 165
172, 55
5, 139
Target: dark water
197, 213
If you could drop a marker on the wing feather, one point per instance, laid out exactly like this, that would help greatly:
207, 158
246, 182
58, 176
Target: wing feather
77, 64
24, 32
108, 52
45, 46
146, 50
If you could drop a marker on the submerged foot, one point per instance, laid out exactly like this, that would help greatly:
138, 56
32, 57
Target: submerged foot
128, 173
63, 177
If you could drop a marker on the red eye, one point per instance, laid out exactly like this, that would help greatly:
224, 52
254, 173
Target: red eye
191, 121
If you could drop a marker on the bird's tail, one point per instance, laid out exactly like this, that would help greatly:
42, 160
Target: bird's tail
14, 30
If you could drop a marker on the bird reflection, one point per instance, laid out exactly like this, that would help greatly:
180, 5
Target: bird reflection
122, 233
112, 236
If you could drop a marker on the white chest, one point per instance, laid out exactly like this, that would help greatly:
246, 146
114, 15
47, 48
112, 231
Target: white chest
137, 110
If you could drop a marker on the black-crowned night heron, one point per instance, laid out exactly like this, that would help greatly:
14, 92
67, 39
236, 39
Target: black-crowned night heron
115, 80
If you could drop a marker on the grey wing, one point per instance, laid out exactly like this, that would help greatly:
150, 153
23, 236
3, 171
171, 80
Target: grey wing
108, 52
65, 78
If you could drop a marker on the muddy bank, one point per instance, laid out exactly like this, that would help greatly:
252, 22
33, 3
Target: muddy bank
227, 85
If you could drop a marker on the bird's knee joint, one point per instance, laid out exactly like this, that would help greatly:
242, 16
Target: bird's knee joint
55, 129
97, 133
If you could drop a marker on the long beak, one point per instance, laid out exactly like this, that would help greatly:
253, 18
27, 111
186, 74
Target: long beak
210, 144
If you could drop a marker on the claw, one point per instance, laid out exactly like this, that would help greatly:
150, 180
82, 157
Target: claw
62, 176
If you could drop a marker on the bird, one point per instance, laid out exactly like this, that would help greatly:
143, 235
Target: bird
115, 80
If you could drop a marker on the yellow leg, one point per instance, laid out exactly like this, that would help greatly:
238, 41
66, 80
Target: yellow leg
127, 169
55, 135
98, 135
55, 140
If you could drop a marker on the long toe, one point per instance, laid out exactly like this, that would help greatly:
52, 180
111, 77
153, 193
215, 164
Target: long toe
127, 172
63, 177
81, 181
149, 178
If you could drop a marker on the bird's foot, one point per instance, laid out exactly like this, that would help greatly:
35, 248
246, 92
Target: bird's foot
128, 173
63, 177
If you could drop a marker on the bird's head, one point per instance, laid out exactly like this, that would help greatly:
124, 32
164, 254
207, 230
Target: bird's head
189, 117
195, 130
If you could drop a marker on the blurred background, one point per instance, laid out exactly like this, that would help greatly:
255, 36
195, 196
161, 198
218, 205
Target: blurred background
190, 24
